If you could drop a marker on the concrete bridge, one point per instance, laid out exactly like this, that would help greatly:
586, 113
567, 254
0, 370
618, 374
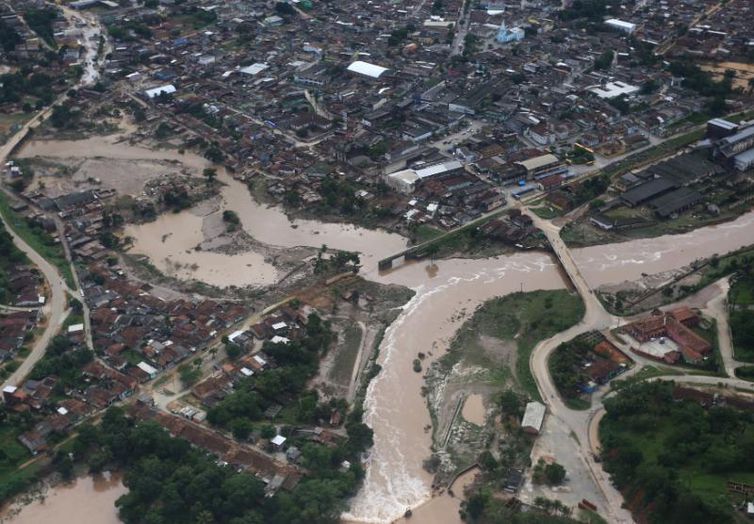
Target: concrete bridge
425, 248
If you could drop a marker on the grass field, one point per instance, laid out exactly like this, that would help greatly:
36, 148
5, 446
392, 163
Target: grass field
342, 369
521, 318
42, 243
547, 212
425, 232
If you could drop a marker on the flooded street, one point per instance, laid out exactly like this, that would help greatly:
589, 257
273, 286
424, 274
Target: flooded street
395, 409
87, 500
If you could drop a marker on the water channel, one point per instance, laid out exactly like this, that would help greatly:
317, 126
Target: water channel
445, 296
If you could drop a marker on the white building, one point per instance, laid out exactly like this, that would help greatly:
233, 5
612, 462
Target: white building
253, 69
156, 91
620, 25
366, 69
146, 368
614, 89
405, 181
75, 328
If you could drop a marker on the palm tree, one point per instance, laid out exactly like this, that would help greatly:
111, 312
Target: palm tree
210, 174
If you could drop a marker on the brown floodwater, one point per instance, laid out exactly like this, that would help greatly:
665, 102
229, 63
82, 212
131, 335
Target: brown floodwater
86, 500
176, 254
395, 409
170, 243
447, 294
615, 263
473, 409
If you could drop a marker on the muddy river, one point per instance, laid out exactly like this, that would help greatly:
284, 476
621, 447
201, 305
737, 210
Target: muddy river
171, 241
446, 296
87, 500
615, 263
395, 409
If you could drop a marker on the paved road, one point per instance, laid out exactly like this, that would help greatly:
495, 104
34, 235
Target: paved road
56, 309
717, 308
566, 430
572, 436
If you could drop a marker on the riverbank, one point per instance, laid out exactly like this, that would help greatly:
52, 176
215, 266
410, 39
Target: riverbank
489, 355
395, 407
85, 500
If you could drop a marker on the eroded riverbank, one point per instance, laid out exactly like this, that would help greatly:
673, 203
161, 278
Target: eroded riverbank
172, 240
395, 408
86, 500
447, 293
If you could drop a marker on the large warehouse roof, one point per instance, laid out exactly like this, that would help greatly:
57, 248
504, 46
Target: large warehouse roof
253, 69
539, 161
438, 169
156, 91
614, 89
367, 69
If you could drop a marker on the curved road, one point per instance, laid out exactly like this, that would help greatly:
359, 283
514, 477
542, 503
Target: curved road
56, 309
583, 425
577, 422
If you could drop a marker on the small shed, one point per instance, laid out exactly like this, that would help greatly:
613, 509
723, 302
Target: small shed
534, 416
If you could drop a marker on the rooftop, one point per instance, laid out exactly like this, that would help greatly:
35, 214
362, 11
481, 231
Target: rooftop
367, 69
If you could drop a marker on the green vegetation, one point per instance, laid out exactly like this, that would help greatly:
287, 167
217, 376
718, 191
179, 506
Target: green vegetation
18, 86
190, 373
642, 375
741, 299
550, 474
590, 189
298, 361
9, 38
524, 319
340, 261
171, 481
605, 60
63, 361
231, 219
397, 36
342, 368
129, 30
591, 9
745, 372
672, 459
10, 257
64, 117
38, 240
12, 455
546, 211
484, 508
423, 233
653, 153
514, 450
40, 21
